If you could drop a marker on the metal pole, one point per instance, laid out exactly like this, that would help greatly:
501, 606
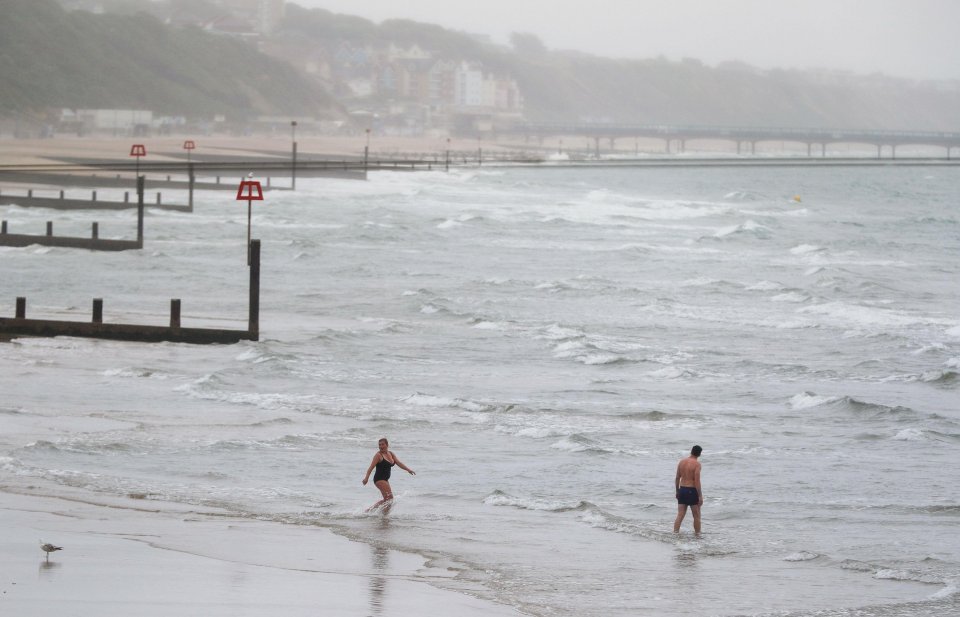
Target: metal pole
249, 208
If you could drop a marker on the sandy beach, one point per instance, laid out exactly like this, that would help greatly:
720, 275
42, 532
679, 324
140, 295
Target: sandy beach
124, 557
45, 151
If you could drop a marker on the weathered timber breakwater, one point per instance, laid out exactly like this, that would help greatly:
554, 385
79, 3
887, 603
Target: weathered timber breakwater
21, 325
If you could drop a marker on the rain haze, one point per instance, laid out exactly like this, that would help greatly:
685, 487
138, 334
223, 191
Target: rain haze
915, 39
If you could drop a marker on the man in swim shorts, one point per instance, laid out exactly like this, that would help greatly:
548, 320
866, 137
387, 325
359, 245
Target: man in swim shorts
689, 493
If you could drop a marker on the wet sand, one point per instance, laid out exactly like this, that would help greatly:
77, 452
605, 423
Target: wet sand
124, 557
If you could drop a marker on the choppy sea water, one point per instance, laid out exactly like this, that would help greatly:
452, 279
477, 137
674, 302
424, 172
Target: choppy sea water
542, 346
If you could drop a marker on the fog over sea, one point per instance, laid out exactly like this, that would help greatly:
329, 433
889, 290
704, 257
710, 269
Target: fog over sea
541, 345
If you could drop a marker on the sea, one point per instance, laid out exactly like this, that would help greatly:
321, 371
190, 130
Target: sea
541, 345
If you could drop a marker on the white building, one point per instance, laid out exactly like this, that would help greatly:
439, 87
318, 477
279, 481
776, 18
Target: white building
468, 88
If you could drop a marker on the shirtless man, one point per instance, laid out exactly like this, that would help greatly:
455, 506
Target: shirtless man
689, 493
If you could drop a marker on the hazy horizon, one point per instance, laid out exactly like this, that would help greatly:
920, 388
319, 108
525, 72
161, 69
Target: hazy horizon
912, 39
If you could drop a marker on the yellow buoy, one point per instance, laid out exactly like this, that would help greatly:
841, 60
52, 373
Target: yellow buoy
796, 198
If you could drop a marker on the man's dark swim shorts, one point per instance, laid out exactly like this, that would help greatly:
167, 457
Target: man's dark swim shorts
688, 496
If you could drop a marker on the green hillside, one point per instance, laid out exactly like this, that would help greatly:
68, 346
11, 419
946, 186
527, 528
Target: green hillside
53, 58
130, 58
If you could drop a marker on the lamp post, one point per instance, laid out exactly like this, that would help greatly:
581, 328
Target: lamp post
189, 146
366, 152
293, 168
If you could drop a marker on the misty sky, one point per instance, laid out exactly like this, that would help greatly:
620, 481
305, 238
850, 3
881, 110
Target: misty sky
903, 38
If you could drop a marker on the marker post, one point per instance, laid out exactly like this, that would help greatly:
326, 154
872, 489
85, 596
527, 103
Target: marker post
250, 191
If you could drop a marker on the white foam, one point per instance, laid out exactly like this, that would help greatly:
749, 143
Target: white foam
557, 332
929, 348
804, 249
600, 358
733, 229
944, 593
765, 286
134, 372
841, 313
673, 372
428, 400
905, 575
806, 400
490, 325
569, 445
910, 434
792, 296
801, 556
502, 499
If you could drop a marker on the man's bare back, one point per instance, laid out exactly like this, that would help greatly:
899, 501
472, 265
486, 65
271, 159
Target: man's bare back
688, 471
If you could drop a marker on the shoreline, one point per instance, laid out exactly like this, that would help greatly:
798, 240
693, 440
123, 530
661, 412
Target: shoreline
174, 559
165, 149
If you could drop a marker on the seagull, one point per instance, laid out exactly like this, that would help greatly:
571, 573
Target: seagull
48, 548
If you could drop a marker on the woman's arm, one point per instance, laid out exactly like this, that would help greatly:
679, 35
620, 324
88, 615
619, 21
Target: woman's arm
373, 464
402, 466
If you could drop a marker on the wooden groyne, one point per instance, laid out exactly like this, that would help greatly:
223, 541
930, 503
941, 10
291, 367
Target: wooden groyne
94, 242
88, 180
62, 203
20, 325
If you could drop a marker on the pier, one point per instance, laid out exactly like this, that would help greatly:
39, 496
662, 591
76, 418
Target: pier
741, 136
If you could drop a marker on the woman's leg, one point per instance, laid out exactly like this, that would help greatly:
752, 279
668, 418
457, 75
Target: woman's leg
384, 487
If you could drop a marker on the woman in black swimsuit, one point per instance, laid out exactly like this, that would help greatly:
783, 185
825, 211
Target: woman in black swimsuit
382, 461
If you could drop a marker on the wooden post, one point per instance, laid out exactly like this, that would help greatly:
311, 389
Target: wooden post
253, 325
61, 193
98, 310
192, 180
175, 313
140, 183
158, 198
21, 308
49, 228
3, 228
95, 231
30, 193
94, 198
126, 197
